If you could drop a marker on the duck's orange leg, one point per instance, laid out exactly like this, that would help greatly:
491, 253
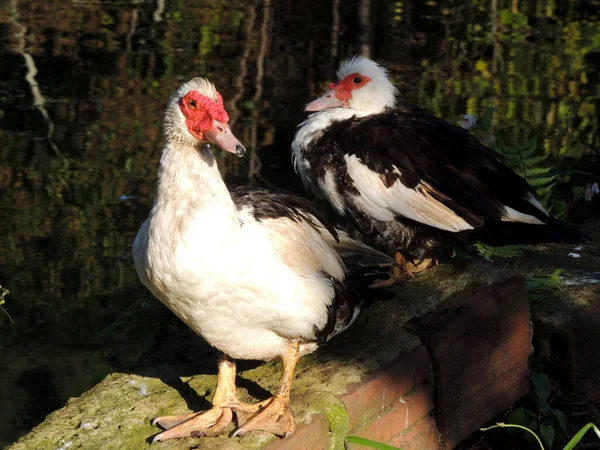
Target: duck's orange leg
204, 423
273, 415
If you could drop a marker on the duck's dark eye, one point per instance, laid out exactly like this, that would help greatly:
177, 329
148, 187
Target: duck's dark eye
192, 104
357, 80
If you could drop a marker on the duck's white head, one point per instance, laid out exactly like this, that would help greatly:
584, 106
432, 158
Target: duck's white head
195, 113
363, 86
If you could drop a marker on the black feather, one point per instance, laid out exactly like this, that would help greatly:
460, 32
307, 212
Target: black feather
275, 203
357, 292
412, 146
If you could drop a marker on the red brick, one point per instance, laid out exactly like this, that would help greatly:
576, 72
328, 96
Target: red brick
311, 436
399, 416
372, 396
569, 349
480, 344
422, 435
585, 348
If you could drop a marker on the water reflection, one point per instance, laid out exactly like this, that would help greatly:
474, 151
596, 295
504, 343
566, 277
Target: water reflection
82, 89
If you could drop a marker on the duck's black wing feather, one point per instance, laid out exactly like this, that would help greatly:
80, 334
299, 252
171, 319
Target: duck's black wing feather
274, 203
356, 291
414, 147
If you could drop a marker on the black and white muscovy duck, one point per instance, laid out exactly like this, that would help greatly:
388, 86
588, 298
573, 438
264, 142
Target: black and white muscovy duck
256, 273
408, 180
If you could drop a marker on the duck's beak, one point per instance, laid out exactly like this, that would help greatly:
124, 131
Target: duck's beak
326, 101
221, 135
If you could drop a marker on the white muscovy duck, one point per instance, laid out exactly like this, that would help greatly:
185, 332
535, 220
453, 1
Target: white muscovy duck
256, 273
410, 181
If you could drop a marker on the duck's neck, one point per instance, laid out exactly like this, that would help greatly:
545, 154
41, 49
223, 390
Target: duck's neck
310, 131
189, 183
313, 127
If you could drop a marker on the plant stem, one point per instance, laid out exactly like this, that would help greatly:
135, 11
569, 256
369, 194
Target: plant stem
509, 425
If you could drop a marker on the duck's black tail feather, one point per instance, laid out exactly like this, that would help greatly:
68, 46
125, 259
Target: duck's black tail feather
371, 283
361, 287
514, 233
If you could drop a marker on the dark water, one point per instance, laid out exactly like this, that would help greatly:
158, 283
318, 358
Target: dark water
82, 89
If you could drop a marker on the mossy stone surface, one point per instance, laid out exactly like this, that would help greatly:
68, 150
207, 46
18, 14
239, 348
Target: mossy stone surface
580, 274
117, 412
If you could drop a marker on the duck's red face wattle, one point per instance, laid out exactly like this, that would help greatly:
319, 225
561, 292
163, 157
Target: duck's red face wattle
340, 94
207, 120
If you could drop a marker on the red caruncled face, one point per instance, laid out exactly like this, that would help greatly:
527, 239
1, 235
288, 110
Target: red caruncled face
343, 90
200, 113
206, 120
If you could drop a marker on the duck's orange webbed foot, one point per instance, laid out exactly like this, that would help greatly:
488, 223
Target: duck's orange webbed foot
411, 268
273, 415
204, 423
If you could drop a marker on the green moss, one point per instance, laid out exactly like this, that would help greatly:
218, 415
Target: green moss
339, 425
116, 414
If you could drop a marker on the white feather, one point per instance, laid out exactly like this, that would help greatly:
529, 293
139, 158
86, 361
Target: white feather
512, 215
385, 203
346, 246
376, 95
531, 199
312, 129
328, 186
241, 288
247, 287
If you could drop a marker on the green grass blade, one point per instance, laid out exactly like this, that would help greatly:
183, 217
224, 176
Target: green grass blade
573, 442
509, 425
369, 443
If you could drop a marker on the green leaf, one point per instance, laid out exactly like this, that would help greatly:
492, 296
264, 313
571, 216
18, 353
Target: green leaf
541, 181
511, 158
536, 160
541, 386
517, 416
578, 192
527, 153
562, 421
536, 171
519, 19
544, 282
529, 147
573, 442
486, 121
558, 208
547, 433
369, 443
3, 293
506, 251
544, 190
505, 17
